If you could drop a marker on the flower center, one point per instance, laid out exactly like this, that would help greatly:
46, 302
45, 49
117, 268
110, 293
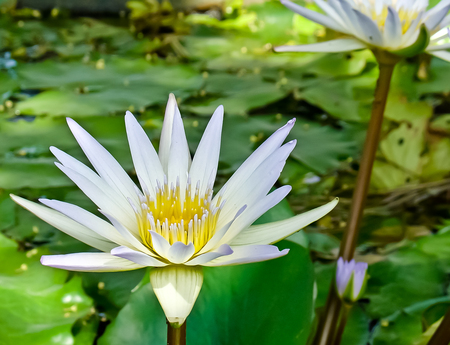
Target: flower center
185, 218
407, 10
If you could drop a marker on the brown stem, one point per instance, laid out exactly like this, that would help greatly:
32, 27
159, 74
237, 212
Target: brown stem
342, 322
176, 336
348, 243
326, 330
386, 62
442, 334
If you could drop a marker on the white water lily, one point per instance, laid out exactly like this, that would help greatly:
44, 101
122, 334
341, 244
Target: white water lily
392, 25
172, 222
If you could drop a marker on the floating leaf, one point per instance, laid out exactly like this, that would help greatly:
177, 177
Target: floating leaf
37, 304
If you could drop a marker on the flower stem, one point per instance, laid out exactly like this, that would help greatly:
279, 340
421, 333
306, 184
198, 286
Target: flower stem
342, 322
386, 63
442, 334
348, 243
176, 336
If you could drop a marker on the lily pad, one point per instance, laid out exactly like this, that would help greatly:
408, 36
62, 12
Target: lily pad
37, 304
270, 311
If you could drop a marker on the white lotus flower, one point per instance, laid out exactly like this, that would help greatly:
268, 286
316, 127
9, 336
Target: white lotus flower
392, 25
172, 222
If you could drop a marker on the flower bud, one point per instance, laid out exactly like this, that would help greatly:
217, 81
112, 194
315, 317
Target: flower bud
351, 278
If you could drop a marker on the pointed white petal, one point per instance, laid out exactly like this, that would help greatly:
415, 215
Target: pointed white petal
145, 159
436, 17
179, 156
444, 55
438, 47
248, 254
66, 225
333, 46
444, 23
256, 211
105, 164
257, 185
180, 252
137, 257
312, 15
393, 29
89, 262
224, 249
104, 197
109, 193
206, 158
331, 11
166, 133
218, 237
254, 161
369, 29
351, 20
132, 240
177, 289
160, 244
87, 219
276, 231
172, 112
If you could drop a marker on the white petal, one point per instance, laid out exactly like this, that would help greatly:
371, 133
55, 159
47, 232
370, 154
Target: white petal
444, 55
66, 225
276, 231
353, 27
333, 46
411, 35
206, 158
132, 240
369, 29
86, 219
145, 159
104, 197
89, 262
218, 237
257, 210
160, 244
109, 193
254, 161
105, 164
177, 289
180, 252
224, 249
333, 12
444, 23
258, 184
312, 15
137, 257
393, 29
436, 15
248, 254
165, 143
438, 47
179, 156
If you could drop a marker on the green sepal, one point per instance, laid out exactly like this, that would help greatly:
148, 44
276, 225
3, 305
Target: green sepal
349, 295
418, 46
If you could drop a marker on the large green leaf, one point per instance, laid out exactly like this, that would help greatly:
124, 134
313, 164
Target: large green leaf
37, 304
262, 303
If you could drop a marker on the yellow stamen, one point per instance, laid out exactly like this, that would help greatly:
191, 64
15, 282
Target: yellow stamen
188, 219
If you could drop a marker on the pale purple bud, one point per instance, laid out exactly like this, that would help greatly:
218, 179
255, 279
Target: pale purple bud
350, 279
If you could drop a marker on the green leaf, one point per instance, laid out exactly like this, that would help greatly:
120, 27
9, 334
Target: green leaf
37, 304
261, 303
406, 277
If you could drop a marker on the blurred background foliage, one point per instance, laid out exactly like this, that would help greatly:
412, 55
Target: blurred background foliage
94, 60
